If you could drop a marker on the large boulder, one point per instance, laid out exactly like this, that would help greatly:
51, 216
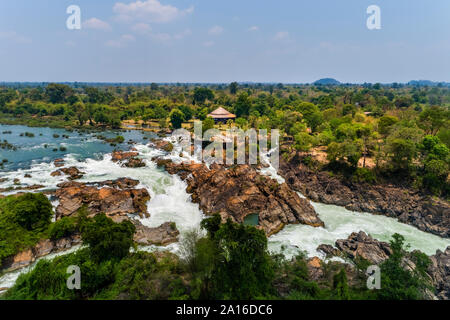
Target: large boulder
439, 270
238, 191
72, 172
162, 144
116, 199
362, 245
128, 159
163, 235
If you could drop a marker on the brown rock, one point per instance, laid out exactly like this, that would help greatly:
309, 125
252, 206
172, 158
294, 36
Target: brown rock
315, 268
42, 248
163, 235
72, 172
329, 250
439, 271
121, 155
238, 191
361, 245
21, 260
128, 159
112, 200
58, 163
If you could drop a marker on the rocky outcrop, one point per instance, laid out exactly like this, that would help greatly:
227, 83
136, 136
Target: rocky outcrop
407, 205
115, 199
22, 188
329, 250
120, 183
439, 270
358, 246
43, 248
58, 163
72, 172
361, 245
238, 191
162, 145
163, 235
128, 159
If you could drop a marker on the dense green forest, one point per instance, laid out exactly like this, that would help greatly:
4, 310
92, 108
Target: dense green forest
231, 262
370, 132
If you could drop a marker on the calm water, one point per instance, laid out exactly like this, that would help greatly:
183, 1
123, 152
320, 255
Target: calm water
40, 147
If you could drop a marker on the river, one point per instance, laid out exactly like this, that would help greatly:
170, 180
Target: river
169, 199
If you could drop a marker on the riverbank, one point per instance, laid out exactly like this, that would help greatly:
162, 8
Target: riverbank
422, 210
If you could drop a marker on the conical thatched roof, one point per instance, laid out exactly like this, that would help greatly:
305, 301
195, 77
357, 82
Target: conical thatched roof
221, 113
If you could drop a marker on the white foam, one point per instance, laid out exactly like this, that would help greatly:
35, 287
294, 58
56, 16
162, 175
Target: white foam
340, 223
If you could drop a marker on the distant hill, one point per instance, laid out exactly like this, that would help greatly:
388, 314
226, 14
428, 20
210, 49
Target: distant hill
327, 81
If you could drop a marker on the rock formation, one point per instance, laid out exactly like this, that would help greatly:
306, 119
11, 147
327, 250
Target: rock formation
238, 191
43, 248
361, 245
128, 159
72, 172
407, 205
439, 270
115, 199
163, 235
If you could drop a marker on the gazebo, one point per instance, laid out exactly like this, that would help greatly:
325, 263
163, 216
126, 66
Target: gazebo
221, 115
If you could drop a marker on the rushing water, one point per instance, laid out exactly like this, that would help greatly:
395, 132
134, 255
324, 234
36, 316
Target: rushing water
169, 199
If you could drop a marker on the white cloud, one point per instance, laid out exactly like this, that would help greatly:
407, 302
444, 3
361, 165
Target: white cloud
167, 38
253, 28
149, 11
14, 36
96, 24
162, 37
215, 31
208, 43
123, 41
282, 35
183, 34
141, 28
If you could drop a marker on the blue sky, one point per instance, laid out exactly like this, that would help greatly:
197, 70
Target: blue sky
290, 41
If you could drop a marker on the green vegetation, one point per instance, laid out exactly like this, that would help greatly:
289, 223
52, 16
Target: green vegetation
379, 128
64, 227
231, 262
399, 283
107, 240
23, 222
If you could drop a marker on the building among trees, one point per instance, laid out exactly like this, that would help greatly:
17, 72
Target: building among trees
221, 115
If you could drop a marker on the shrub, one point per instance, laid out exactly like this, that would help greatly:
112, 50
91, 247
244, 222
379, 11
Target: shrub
107, 239
23, 220
63, 228
399, 283
32, 211
119, 139
364, 175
